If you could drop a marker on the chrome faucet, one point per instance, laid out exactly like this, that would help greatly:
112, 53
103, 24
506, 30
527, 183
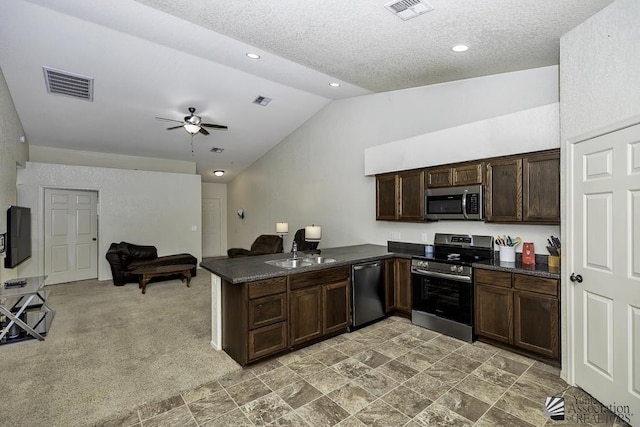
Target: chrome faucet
294, 250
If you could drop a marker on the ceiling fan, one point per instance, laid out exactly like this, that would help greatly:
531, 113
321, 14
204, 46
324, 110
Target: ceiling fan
193, 124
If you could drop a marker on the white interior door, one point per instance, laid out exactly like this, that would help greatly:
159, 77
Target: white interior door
71, 232
211, 227
605, 225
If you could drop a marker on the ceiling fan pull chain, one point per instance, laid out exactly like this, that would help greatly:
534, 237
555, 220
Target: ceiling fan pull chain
192, 153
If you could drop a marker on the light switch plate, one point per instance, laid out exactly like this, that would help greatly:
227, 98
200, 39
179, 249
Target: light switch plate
425, 237
194, 228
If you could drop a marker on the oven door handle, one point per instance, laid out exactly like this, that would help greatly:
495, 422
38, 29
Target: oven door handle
421, 272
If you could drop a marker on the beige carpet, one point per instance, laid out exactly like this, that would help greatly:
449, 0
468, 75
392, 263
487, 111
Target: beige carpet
111, 349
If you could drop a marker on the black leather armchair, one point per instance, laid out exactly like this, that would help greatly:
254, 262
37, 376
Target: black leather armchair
125, 257
264, 244
303, 245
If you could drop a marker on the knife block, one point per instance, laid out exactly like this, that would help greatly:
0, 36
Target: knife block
554, 261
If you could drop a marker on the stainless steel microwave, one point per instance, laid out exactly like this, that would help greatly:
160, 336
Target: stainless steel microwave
466, 202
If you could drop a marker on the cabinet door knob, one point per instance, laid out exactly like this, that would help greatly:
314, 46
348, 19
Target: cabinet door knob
575, 278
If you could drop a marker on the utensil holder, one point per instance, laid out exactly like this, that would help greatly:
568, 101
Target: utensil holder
554, 261
507, 254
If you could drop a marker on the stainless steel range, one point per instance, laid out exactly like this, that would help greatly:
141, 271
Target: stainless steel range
443, 284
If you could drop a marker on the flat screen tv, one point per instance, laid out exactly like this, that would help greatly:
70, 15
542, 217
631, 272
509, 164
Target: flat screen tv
18, 240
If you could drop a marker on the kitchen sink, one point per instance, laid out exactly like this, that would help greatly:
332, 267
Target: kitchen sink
300, 262
319, 260
289, 263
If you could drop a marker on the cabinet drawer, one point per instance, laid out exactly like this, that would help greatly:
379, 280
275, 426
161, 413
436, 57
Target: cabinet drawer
266, 287
541, 285
266, 310
313, 278
492, 278
267, 340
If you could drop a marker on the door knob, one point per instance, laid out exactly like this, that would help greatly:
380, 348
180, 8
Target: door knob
94, 239
575, 278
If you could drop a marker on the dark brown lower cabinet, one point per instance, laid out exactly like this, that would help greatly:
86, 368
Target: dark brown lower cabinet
269, 316
402, 274
389, 286
335, 307
397, 286
494, 313
254, 318
318, 304
536, 323
305, 314
521, 310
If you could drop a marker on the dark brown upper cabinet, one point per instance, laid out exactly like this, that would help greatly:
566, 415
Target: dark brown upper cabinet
541, 188
503, 194
454, 175
387, 197
524, 188
400, 196
411, 197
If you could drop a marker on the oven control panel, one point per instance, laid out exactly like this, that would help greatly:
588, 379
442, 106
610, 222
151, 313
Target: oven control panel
420, 266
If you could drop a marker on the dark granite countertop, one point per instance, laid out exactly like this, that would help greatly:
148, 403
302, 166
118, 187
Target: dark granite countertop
248, 269
537, 269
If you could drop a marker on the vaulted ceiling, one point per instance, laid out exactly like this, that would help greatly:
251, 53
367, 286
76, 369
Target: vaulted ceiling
157, 58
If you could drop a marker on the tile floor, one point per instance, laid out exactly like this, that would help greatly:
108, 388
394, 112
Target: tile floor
391, 373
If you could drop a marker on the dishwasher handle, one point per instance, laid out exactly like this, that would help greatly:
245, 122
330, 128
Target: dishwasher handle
370, 265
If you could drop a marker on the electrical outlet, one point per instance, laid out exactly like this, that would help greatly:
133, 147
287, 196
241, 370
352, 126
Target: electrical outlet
425, 237
395, 235
194, 228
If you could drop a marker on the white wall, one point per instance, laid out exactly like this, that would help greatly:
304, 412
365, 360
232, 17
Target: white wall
141, 207
13, 155
536, 129
63, 156
599, 90
316, 175
599, 72
218, 191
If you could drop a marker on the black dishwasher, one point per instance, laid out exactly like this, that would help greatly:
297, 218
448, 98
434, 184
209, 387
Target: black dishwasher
367, 293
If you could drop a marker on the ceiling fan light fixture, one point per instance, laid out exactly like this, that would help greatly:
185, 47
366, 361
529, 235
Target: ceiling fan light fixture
192, 129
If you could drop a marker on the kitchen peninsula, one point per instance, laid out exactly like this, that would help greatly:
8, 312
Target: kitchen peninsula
259, 309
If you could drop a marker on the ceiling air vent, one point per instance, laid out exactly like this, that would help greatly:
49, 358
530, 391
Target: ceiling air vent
262, 100
217, 150
407, 9
69, 84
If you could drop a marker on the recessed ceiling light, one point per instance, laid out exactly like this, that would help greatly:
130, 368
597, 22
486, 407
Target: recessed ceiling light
253, 55
460, 48
334, 84
218, 172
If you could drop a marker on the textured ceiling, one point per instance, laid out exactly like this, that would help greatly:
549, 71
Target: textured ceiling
361, 42
149, 59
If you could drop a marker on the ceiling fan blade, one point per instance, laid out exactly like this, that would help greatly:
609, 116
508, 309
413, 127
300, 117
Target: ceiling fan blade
174, 127
211, 125
204, 131
168, 120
